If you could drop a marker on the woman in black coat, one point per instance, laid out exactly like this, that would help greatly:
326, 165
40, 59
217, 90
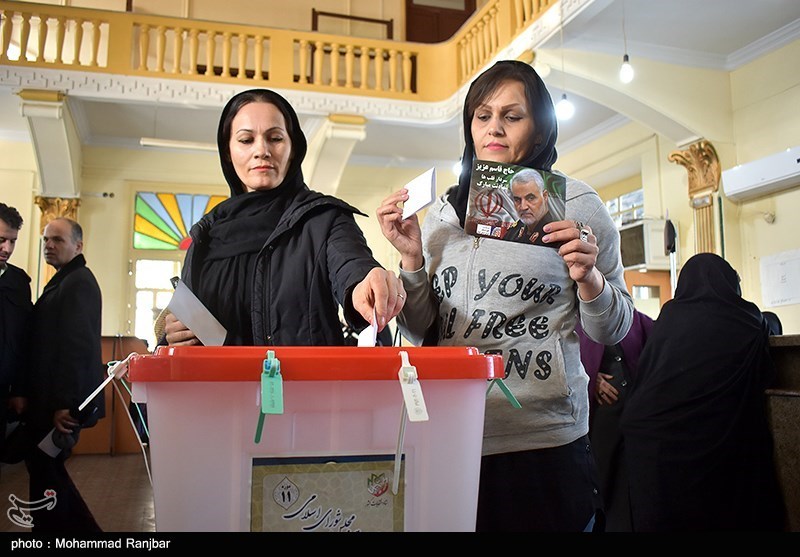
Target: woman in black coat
698, 447
274, 262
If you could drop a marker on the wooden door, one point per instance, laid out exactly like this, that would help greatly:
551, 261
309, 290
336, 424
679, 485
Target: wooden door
659, 285
428, 22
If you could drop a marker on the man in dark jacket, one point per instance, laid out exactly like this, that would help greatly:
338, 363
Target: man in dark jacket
15, 309
66, 367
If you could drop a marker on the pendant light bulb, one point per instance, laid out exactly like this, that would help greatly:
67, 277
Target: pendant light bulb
626, 70
564, 109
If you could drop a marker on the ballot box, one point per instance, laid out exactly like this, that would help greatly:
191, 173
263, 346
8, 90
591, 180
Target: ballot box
311, 439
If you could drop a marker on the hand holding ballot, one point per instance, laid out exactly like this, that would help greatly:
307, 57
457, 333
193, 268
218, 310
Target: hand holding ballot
421, 193
400, 225
179, 334
189, 322
379, 298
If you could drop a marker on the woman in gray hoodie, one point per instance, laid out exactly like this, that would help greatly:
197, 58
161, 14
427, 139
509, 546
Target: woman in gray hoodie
521, 301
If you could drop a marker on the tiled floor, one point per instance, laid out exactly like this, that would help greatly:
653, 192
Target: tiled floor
116, 488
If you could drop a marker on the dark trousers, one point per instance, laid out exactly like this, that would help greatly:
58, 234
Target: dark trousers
70, 512
543, 490
3, 417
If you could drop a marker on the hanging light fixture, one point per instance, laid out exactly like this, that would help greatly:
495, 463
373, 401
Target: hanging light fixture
625, 70
564, 108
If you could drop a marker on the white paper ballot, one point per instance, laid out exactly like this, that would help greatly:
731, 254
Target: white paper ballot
191, 312
421, 193
369, 336
47, 446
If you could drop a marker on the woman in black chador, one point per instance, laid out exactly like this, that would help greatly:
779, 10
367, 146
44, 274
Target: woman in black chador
698, 446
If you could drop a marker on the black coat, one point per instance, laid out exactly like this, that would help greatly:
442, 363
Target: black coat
697, 441
66, 357
15, 311
306, 268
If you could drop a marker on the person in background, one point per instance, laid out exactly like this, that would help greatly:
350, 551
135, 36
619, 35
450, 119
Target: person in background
774, 325
698, 446
274, 262
611, 369
522, 301
66, 367
15, 310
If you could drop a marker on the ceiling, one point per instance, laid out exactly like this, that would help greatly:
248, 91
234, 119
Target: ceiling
712, 34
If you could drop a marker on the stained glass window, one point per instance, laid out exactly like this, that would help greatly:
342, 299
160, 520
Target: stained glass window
162, 220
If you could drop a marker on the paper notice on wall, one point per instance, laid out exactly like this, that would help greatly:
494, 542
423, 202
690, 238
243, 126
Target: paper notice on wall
780, 279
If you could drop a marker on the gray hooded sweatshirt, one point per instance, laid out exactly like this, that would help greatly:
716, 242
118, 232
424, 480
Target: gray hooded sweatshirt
518, 300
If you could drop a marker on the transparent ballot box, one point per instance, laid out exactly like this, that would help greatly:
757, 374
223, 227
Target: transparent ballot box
314, 439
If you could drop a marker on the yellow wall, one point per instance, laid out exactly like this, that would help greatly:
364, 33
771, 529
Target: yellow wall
18, 179
266, 13
766, 95
620, 187
272, 14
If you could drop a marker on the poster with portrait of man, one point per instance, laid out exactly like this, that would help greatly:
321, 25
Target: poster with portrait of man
513, 203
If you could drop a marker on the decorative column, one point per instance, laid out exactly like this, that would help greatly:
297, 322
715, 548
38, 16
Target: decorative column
53, 208
702, 165
329, 149
55, 141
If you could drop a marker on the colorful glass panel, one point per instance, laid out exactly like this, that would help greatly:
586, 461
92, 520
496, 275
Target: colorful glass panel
162, 220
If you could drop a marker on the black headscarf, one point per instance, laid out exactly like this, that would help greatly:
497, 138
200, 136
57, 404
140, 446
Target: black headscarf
243, 223
774, 324
541, 153
294, 174
695, 426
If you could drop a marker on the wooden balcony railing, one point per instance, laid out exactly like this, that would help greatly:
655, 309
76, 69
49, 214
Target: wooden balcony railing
36, 35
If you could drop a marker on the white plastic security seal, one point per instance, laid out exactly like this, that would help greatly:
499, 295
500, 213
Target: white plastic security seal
116, 369
412, 391
412, 398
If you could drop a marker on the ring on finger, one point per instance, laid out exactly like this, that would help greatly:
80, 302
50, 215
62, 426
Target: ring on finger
401, 296
584, 234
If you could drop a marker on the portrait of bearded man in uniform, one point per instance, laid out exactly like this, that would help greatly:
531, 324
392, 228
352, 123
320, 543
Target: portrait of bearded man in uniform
530, 201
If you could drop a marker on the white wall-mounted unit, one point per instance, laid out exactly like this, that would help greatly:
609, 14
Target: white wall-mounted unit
763, 176
642, 245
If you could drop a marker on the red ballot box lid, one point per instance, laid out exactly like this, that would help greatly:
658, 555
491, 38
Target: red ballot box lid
305, 363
